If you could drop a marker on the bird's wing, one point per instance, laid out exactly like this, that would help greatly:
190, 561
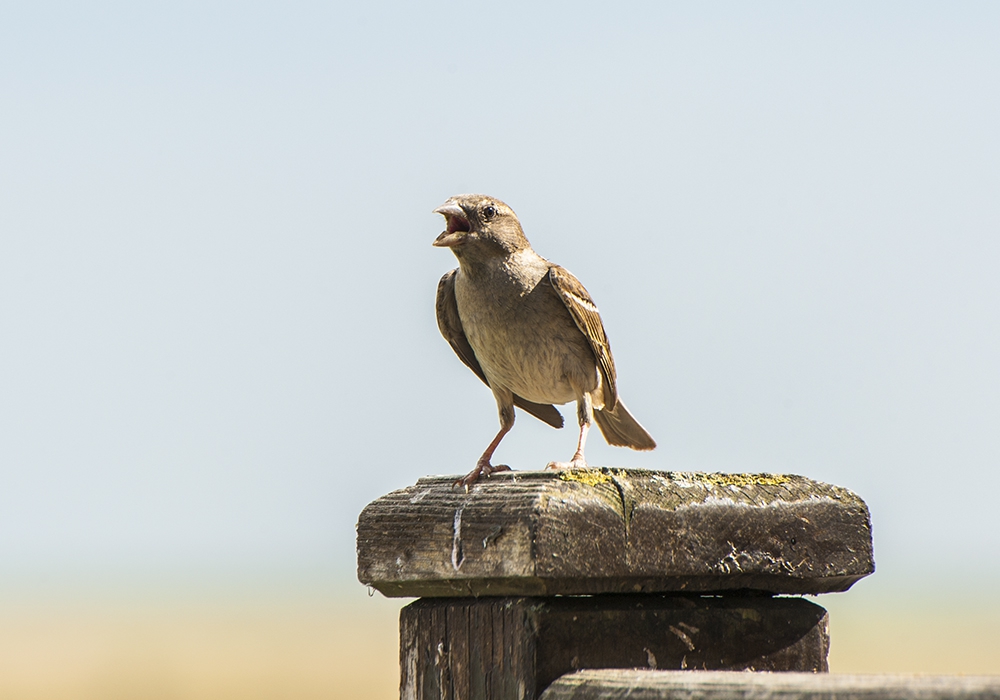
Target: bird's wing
450, 325
584, 312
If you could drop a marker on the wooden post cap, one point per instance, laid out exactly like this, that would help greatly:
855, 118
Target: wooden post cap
606, 530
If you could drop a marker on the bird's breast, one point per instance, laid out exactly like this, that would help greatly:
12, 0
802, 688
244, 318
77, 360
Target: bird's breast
525, 339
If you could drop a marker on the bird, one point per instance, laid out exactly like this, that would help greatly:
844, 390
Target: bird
527, 328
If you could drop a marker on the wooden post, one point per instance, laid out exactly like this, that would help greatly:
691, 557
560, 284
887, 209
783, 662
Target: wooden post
607, 684
531, 575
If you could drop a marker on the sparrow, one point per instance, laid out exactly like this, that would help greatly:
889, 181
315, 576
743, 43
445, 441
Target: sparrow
528, 329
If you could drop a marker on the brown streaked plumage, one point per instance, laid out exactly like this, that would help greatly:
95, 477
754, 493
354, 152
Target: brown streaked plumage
528, 328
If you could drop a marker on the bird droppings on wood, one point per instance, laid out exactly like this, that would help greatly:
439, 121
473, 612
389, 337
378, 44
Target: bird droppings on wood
457, 556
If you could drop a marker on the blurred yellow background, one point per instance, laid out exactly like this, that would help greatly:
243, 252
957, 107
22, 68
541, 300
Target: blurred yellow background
345, 645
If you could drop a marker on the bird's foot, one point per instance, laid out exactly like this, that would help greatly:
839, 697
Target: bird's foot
578, 462
483, 468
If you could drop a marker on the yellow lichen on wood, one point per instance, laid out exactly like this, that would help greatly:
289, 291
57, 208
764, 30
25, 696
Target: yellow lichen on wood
590, 477
603, 475
720, 479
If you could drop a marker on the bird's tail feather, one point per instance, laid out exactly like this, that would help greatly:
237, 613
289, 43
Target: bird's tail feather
620, 428
547, 413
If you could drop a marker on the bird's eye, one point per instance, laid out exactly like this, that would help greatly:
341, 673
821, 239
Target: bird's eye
489, 211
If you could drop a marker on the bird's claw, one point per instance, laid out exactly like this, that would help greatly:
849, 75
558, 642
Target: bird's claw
578, 462
482, 469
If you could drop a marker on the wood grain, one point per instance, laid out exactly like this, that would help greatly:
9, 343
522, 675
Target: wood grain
513, 648
610, 684
614, 531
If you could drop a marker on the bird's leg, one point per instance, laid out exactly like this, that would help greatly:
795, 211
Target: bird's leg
584, 412
483, 466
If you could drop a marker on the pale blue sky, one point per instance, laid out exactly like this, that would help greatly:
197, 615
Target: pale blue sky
216, 279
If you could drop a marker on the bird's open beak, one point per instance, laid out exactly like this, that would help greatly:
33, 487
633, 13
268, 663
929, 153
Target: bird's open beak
457, 225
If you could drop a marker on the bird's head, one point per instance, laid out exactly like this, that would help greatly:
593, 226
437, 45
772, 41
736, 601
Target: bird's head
478, 226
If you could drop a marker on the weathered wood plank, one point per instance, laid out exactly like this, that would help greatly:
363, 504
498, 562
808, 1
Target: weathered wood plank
513, 648
612, 684
614, 531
